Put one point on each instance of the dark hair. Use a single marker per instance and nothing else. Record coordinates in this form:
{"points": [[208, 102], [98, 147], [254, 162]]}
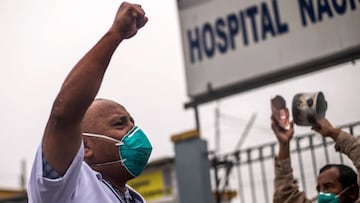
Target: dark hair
{"points": [[347, 177]]}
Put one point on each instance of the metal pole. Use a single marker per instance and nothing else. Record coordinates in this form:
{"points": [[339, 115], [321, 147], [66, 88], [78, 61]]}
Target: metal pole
{"points": [[238, 169], [263, 174], [217, 180], [325, 150], [313, 158], [217, 129], [251, 173], [301, 164], [197, 119]]}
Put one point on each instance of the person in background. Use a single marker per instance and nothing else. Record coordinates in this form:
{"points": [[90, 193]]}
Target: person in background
{"points": [[91, 147], [336, 183]]}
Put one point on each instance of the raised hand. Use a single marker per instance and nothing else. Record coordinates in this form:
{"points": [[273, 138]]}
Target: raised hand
{"points": [[283, 135], [128, 20], [325, 128]]}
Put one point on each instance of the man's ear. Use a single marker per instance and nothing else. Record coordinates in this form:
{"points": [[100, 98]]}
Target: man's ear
{"points": [[88, 151], [354, 193], [351, 194]]}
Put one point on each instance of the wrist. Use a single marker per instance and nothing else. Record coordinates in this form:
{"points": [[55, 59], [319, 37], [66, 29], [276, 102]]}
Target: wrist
{"points": [[335, 133], [115, 35], [284, 145], [284, 151]]}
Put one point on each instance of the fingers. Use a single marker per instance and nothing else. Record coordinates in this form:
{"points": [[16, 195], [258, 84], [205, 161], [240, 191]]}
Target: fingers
{"points": [[139, 15], [321, 123], [291, 124], [274, 125], [277, 129], [316, 128], [140, 22], [128, 20]]}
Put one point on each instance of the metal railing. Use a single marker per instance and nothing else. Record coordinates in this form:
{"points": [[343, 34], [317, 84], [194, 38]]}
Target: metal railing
{"points": [[250, 172]]}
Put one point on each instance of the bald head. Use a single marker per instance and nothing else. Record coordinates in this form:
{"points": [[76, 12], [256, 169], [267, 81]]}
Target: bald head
{"points": [[101, 114]]}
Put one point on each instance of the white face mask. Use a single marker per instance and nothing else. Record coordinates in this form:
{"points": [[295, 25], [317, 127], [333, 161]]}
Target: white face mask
{"points": [[134, 150]]}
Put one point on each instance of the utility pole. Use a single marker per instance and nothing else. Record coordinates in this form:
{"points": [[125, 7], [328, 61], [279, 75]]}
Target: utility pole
{"points": [[217, 129], [246, 131], [23, 174]]}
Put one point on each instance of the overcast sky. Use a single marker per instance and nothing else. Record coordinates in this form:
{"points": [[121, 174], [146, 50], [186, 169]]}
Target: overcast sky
{"points": [[42, 40]]}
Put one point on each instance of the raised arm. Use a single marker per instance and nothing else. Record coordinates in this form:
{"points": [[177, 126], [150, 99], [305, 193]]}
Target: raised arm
{"points": [[325, 128], [62, 136], [285, 189], [345, 143], [283, 136]]}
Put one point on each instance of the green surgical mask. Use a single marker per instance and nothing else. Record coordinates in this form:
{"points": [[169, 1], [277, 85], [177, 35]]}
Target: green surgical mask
{"points": [[134, 150], [324, 197]]}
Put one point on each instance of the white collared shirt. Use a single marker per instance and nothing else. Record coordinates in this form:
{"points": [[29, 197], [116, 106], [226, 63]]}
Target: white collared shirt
{"points": [[80, 184]]}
